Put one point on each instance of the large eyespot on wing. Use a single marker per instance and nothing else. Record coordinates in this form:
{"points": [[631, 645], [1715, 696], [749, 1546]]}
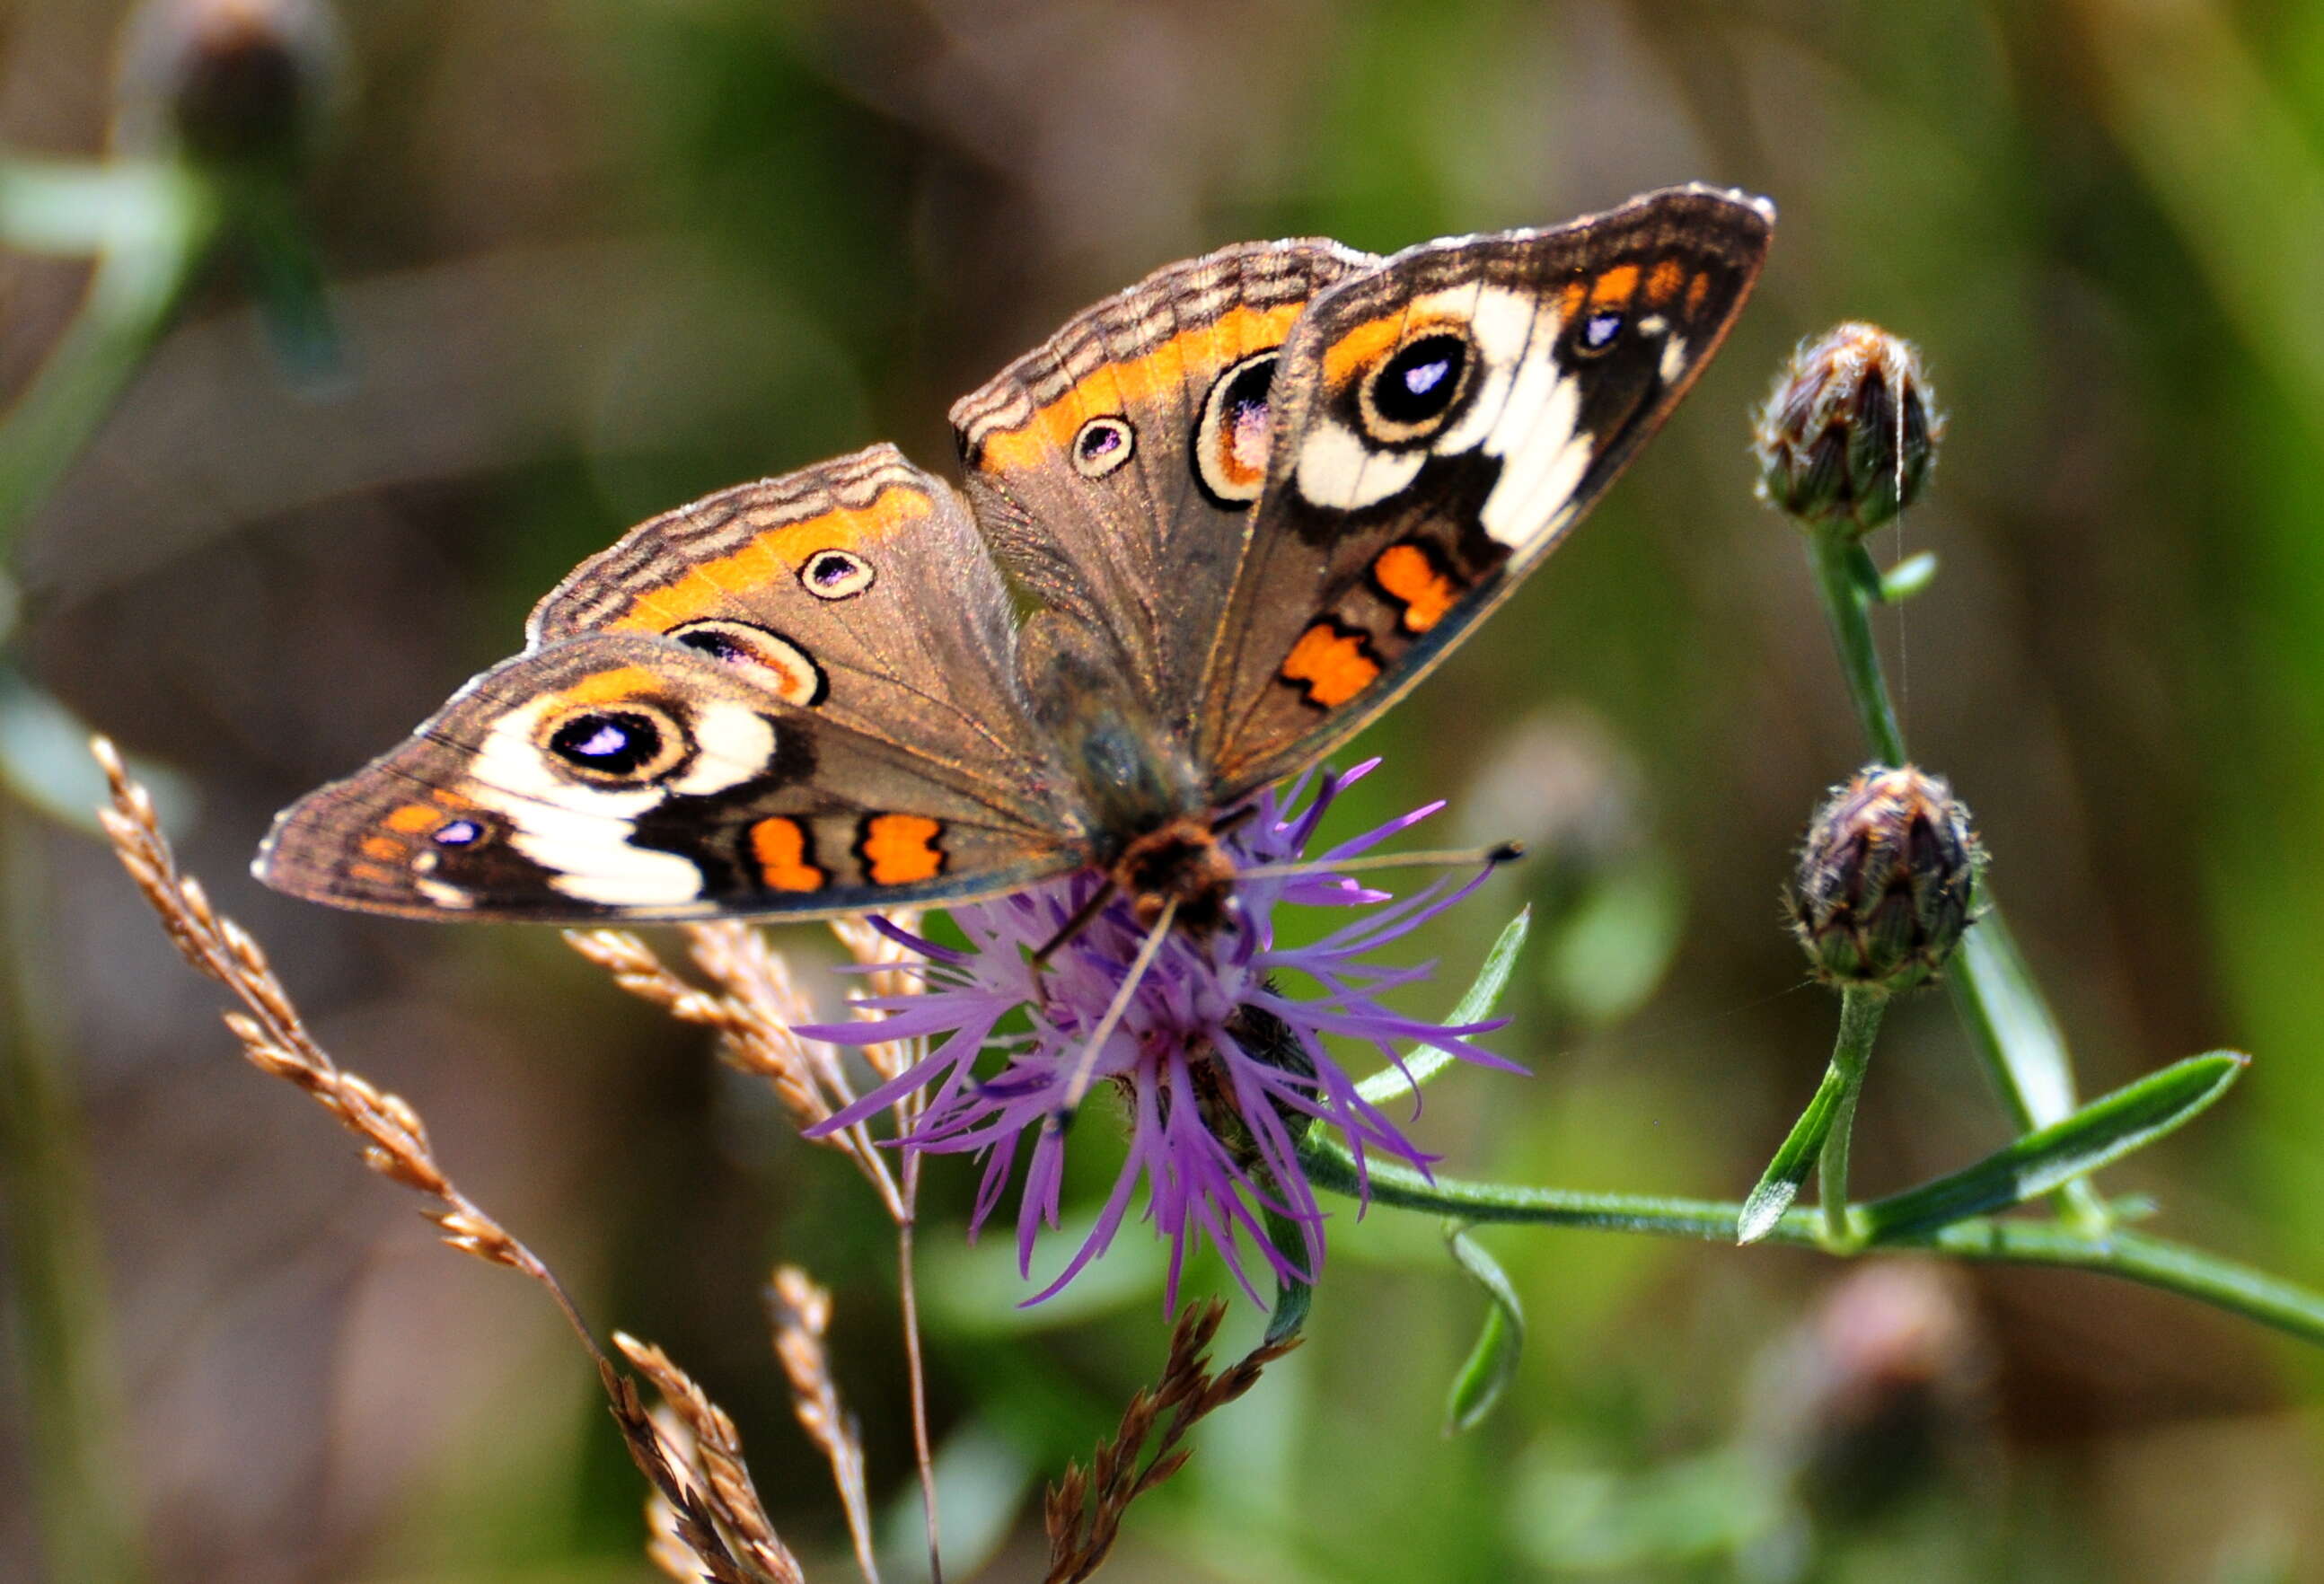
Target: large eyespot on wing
{"points": [[1441, 421], [630, 744], [1408, 396], [1229, 455], [621, 776]]}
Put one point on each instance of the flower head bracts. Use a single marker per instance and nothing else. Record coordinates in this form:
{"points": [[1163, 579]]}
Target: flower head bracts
{"points": [[1221, 1070]]}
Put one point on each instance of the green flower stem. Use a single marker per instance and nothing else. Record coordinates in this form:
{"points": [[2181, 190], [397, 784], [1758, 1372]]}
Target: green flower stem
{"points": [[150, 233], [1994, 993], [2131, 1256], [1852, 1053], [1839, 561]]}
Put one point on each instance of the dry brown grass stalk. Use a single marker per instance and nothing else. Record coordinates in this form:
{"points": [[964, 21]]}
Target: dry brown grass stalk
{"points": [[711, 1525], [275, 1037], [1084, 1508], [754, 1007], [699, 1441], [800, 1312], [706, 1519], [686, 1541]]}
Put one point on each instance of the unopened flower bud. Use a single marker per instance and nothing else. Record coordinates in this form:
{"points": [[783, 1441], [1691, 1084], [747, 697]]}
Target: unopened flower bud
{"points": [[245, 83], [1887, 880], [1850, 430]]}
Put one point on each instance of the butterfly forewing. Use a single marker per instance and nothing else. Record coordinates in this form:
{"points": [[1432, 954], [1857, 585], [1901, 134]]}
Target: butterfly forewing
{"points": [[1440, 423]]}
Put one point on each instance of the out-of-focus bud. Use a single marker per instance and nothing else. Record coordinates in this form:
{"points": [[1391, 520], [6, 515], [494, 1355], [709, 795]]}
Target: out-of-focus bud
{"points": [[1562, 783], [1887, 880], [1850, 431], [243, 83], [1880, 1397]]}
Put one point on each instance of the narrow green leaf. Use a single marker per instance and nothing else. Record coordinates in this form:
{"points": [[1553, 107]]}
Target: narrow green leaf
{"points": [[138, 275], [1779, 1184], [1493, 1363], [1478, 1004], [1293, 1297], [2003, 1009], [1909, 576], [2103, 1131], [74, 208]]}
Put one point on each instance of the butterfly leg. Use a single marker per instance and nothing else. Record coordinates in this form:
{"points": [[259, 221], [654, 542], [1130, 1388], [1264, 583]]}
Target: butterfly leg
{"points": [[1085, 1069], [1240, 816], [1074, 925]]}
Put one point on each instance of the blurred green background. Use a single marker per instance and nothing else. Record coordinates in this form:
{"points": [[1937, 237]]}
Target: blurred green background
{"points": [[592, 259]]}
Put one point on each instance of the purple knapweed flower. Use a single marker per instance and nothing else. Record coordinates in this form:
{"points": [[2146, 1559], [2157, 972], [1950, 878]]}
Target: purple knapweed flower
{"points": [[1221, 1070]]}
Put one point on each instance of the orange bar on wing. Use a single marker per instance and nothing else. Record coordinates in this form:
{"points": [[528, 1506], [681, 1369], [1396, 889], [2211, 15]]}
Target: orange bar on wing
{"points": [[1406, 575], [900, 849], [779, 847], [1330, 664]]}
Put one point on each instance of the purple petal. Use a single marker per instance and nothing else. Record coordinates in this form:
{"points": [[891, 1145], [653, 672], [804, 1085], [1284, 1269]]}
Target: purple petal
{"points": [[911, 941]]}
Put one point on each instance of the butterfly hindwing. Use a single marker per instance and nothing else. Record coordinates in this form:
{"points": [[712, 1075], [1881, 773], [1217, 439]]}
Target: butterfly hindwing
{"points": [[1114, 466], [626, 776], [1441, 421]]}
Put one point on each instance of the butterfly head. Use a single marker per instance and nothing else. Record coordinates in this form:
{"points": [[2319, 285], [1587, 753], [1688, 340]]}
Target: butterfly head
{"points": [[1184, 862]]}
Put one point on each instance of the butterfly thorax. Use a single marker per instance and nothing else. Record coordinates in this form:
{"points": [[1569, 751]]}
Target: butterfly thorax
{"points": [[1152, 832], [1152, 828]]}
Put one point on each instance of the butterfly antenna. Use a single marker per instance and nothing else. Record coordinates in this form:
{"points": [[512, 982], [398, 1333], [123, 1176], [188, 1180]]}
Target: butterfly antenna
{"points": [[1498, 853], [1085, 1069]]}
